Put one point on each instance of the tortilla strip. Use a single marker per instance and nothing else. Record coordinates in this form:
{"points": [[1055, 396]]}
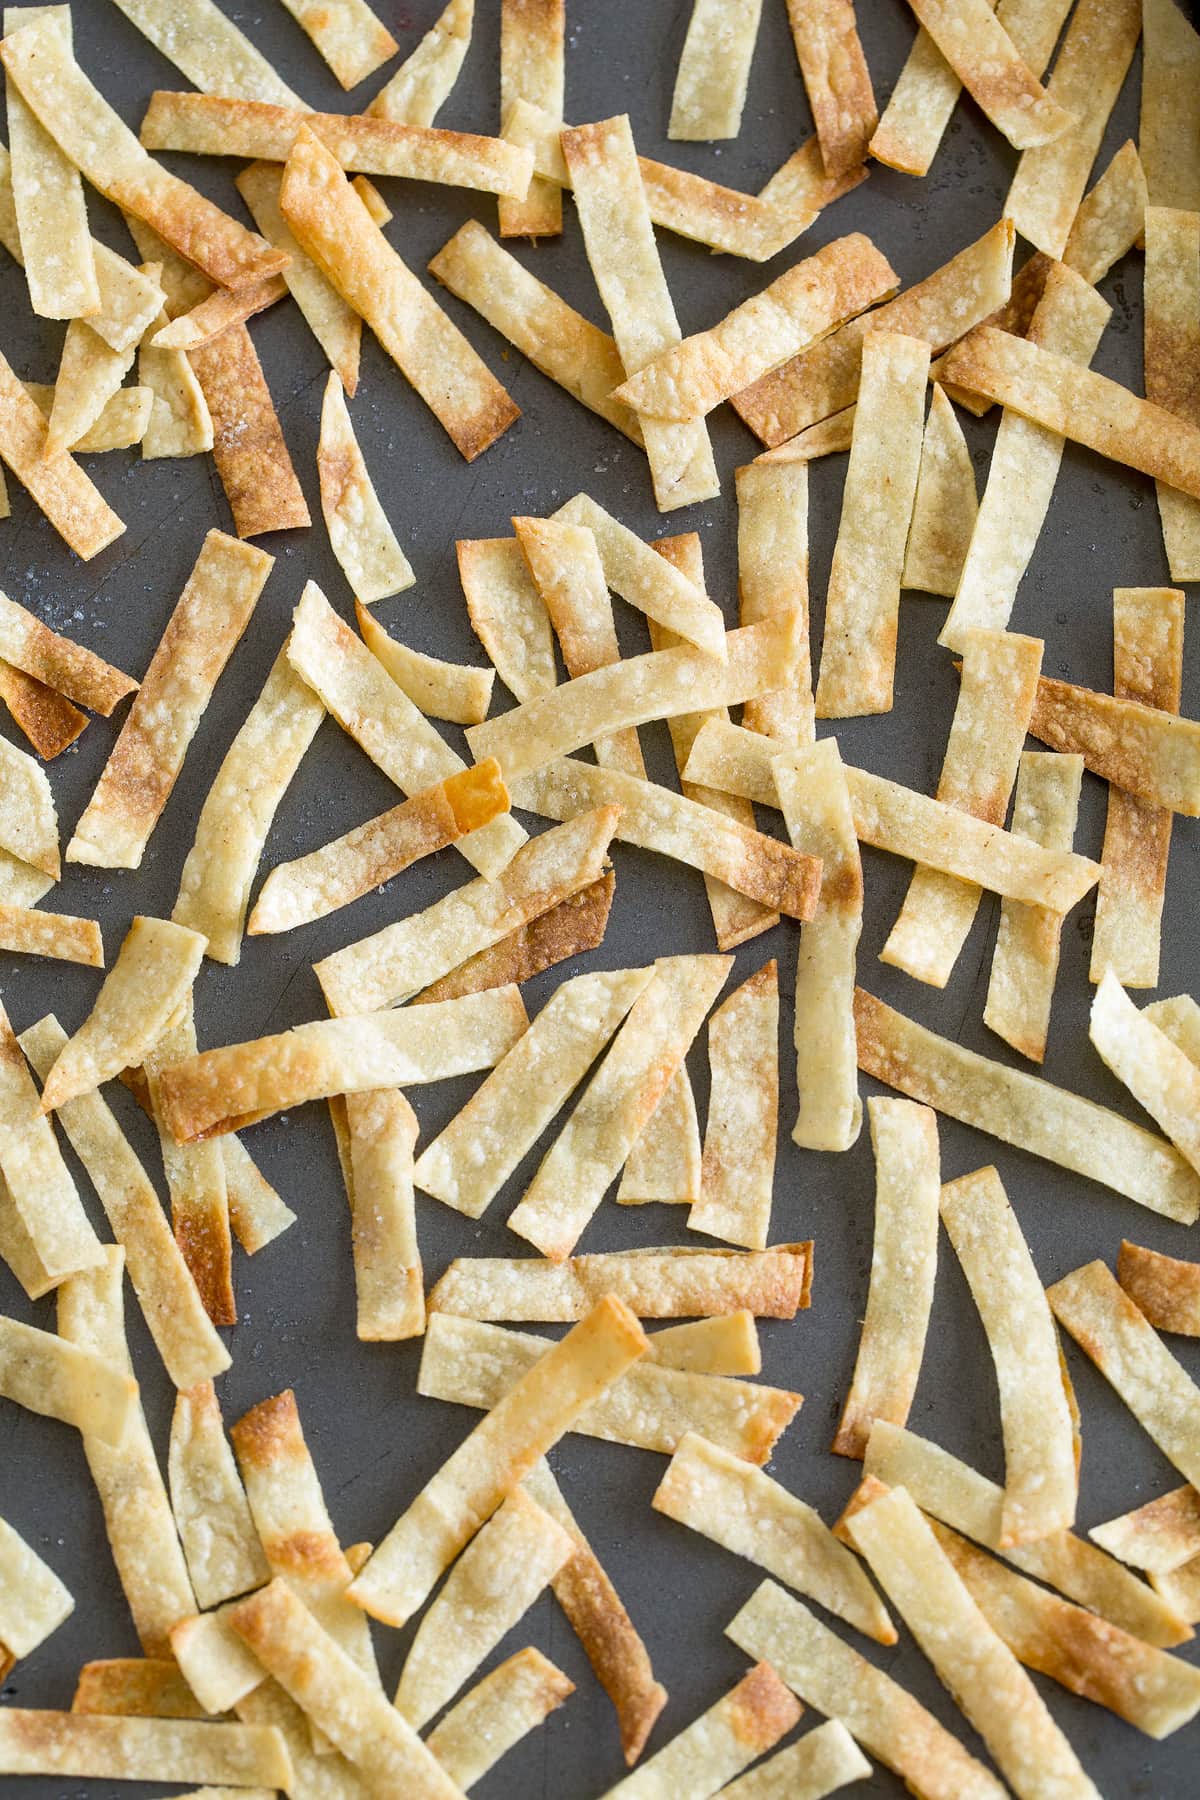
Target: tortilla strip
{"points": [[746, 1512], [49, 934], [986, 1680], [214, 888], [1025, 959], [1148, 752], [135, 1687], [221, 1090], [60, 1380], [120, 424], [836, 80], [33, 1601], [207, 47], [1161, 1077], [532, 69], [882, 1715], [773, 577], [748, 1720], [805, 303], [18, 1252], [51, 212], [215, 1663], [336, 327], [317, 1767], [824, 1760], [1171, 286], [256, 1212], [76, 509], [824, 379], [423, 83], [991, 716], [1179, 1019], [354, 686], [655, 1284], [470, 1161], [1167, 141], [507, 613], [653, 583], [664, 1164], [738, 1173], [714, 70], [619, 239], [359, 534], [987, 62], [1110, 220], [216, 313], [494, 1715], [858, 654], [441, 690], [828, 437], [347, 35], [726, 1344], [474, 1364], [180, 423], [566, 347], [248, 444], [381, 1131], [127, 1749], [1181, 1589], [577, 924], [1164, 1289], [224, 1556], [945, 506], [341, 871], [89, 375], [50, 723], [1164, 1534]]}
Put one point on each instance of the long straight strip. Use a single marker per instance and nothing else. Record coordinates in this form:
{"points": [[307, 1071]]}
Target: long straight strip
{"points": [[1147, 751], [388, 1281], [1168, 139], [334, 324], [39, 1184], [76, 509], [532, 68], [424, 81], [1025, 1111], [224, 1556], [737, 1177], [48, 194], [196, 1181], [772, 551], [714, 71], [660, 586], [1171, 289], [205, 45], [655, 1284], [249, 448], [156, 1750]]}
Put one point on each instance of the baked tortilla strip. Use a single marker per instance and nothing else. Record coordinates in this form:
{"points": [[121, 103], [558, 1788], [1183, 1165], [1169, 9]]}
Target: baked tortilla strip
{"points": [[55, 935], [424, 81], [256, 1212], [497, 1455], [28, 823], [655, 584], [747, 1721], [726, 1344], [805, 303], [1110, 219], [507, 613], [360, 536], [618, 1103], [983, 752], [835, 1679], [1025, 1111], [62, 1380], [858, 654], [532, 68], [510, 1701], [138, 1687], [945, 506], [214, 1662], [1129, 1353], [50, 723], [126, 1749], [51, 212], [1167, 140], [664, 1163], [347, 35], [248, 444], [470, 1161], [220, 310], [772, 548], [738, 1173], [825, 1759], [1025, 959], [209, 618], [987, 62], [746, 1512], [577, 924], [654, 1284], [1171, 287], [174, 1312], [941, 309], [17, 1249], [89, 375], [651, 1407], [214, 888], [714, 70], [1181, 1589], [76, 509], [121, 423], [1165, 1290], [1147, 751], [903, 1266], [381, 1130], [1163, 1535], [180, 423], [393, 964], [336, 326], [836, 80], [442, 690], [355, 687], [1161, 1077], [33, 1601], [207, 47], [224, 1556], [619, 239]]}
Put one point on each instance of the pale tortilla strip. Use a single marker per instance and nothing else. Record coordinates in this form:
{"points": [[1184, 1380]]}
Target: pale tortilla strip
{"points": [[347, 35], [508, 1703], [747, 1721], [1147, 751], [738, 1173], [50, 723], [655, 1284], [576, 925], [983, 752], [74, 1745], [566, 347], [120, 424], [248, 444], [256, 1212], [523, 1424], [651, 1407], [507, 614], [824, 379], [903, 1266], [334, 324], [138, 1687], [1181, 1589], [983, 1675], [1161, 1077], [1164, 1289], [151, 978], [828, 437], [38, 1182], [224, 1556], [89, 374], [222, 1090], [970, 1503], [619, 239], [655, 584], [470, 1161], [1171, 289], [1167, 137], [214, 888], [858, 654], [532, 69], [360, 536], [825, 1759], [1110, 219], [174, 1312], [805, 303], [205, 45], [217, 313], [882, 1715], [1179, 1019], [836, 80], [945, 506], [442, 690], [1025, 959], [180, 423], [338, 233], [316, 1765], [76, 509], [990, 67], [714, 70], [216, 1665], [51, 212], [1040, 1482], [726, 1344], [56, 935], [664, 1164], [423, 83], [17, 1249], [746, 1512], [33, 1601], [355, 687], [61, 1380], [1163, 1535], [381, 1132], [772, 549], [195, 1180], [571, 1180]]}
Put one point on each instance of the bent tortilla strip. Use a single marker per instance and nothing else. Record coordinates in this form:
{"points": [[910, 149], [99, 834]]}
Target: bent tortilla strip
{"points": [[1164, 1534], [38, 1184], [76, 509], [532, 69], [655, 1284], [69, 668], [336, 327], [655, 584], [377, 1173], [507, 614], [575, 925], [735, 1731], [945, 506], [347, 34], [359, 534], [903, 1267], [51, 212], [987, 62], [217, 313], [33, 1601], [714, 71], [1159, 1075], [207, 47], [442, 690], [224, 1556], [748, 1513], [1164, 1289], [56, 935], [836, 80], [126, 1749], [61, 1380], [1169, 147], [195, 1180], [738, 1171], [664, 1163], [423, 82], [493, 1716]]}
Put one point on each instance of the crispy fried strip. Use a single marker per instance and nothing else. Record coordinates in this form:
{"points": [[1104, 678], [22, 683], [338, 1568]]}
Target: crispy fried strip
{"points": [[441, 690], [748, 1720], [1111, 219], [248, 444], [656, 585], [180, 423], [256, 1212], [773, 577], [664, 1163], [205, 45], [990, 67], [824, 1760], [50, 723], [507, 614], [217, 313], [1161, 1077], [726, 1344], [51, 212], [423, 82], [347, 35], [50, 934], [334, 324], [655, 1284], [195, 1179], [576, 925], [1149, 752], [836, 80], [70, 668], [1167, 139], [89, 375], [1163, 1535], [382, 1132], [364, 543], [121, 423], [532, 69], [224, 1556], [828, 437], [33, 1601], [738, 1172], [76, 509], [137, 1687], [127, 1749], [61, 1380], [945, 506], [714, 69], [1171, 288], [1164, 1289], [38, 1182], [495, 1714]]}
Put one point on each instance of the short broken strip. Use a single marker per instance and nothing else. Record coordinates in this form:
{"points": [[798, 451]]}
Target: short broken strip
{"points": [[360, 536], [714, 71], [512, 1700], [348, 35], [458, 692], [747, 1721], [507, 614], [836, 80]]}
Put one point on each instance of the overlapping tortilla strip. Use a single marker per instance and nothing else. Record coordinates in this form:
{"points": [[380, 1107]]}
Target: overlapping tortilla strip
{"points": [[50, 723], [1163, 1534], [224, 1556], [17, 1249], [215, 1663], [828, 437], [74, 1745], [521, 1426], [945, 506], [205, 45], [136, 1687], [1148, 751], [882, 1715], [1165, 1290], [76, 509], [381, 1130], [656, 585], [1025, 959], [836, 80], [1171, 288], [507, 613], [726, 1344], [714, 70], [89, 375], [218, 312], [55, 935], [747, 1721], [746, 1512], [1179, 1019], [364, 543], [423, 82], [858, 653], [61, 1380], [347, 34], [335, 325], [393, 964], [532, 68], [664, 1164], [494, 1715], [1169, 147], [69, 668], [577, 924], [824, 1760], [51, 212], [990, 67], [120, 424], [773, 578], [442, 690], [824, 379], [1161, 1077], [473, 1157], [619, 239], [1181, 1589], [33, 1601], [180, 423], [738, 1172], [655, 1284]]}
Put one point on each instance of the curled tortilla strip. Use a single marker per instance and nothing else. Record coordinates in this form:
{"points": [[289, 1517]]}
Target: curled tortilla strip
{"points": [[224, 1556], [510, 1701], [423, 82], [507, 614], [532, 68], [664, 1163], [50, 723], [205, 45], [836, 80], [1161, 1077], [442, 690], [248, 444], [738, 1173], [70, 668], [577, 924], [1165, 1290], [714, 71], [990, 67], [127, 1749], [655, 584], [1166, 141], [1111, 218], [654, 1284], [56, 935], [748, 1720], [824, 1760], [51, 212], [746, 1512], [361, 538], [882, 1715], [1163, 1535], [1171, 290], [33, 1601], [773, 578], [381, 1129], [49, 1375], [347, 35], [38, 1183], [945, 506], [137, 1687], [76, 509], [334, 324]]}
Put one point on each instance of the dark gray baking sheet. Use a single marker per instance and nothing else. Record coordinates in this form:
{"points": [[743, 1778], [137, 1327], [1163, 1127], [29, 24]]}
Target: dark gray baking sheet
{"points": [[374, 1442]]}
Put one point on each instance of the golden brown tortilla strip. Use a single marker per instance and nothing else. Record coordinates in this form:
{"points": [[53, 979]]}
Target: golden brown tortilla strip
{"points": [[224, 1556], [773, 577], [76, 509], [507, 613], [987, 62], [655, 1284], [1110, 219], [1164, 1289], [1147, 751], [248, 444], [221, 310], [33, 1601], [55, 935], [532, 68], [714, 70], [576, 925], [442, 690], [74, 1745], [336, 327], [347, 34], [51, 213], [1161, 1077], [70, 668], [836, 80], [664, 1163], [495, 1714], [1167, 140], [360, 536], [138, 1687], [1171, 290], [945, 505], [737, 1178], [205, 45], [50, 723], [747, 1721], [824, 1759], [423, 82], [381, 1130], [1163, 1535]]}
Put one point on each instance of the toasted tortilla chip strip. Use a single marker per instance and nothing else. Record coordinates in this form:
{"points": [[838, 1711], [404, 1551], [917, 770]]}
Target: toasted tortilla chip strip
{"points": [[773, 578], [1025, 959], [76, 509], [316, 1765], [335, 325], [256, 1212], [619, 239], [1181, 1589], [738, 1174], [180, 423], [1148, 752], [726, 1344], [130, 299], [903, 1267], [577, 924], [1111, 219], [382, 1132], [215, 1663], [33, 1601], [521, 1426], [494, 1715], [51, 212], [137, 1514], [828, 437], [655, 584], [174, 1312], [1171, 287], [1163, 1535], [217, 313], [653, 1041], [423, 83], [532, 69], [1160, 1076], [17, 1249], [748, 1720], [72, 1744], [442, 690], [207, 47], [1040, 1480], [823, 1761], [745, 1511], [655, 1284], [858, 655], [145, 987], [507, 614], [945, 506], [990, 67], [836, 80], [347, 35], [983, 1675], [882, 1715], [39, 1184], [195, 1179], [50, 723], [224, 1556], [1164, 1289], [651, 1407], [89, 374], [135, 1687], [1179, 1019], [121, 423], [48, 1375], [50, 934], [714, 71], [664, 1163], [1167, 138], [983, 752], [248, 444], [364, 543]]}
